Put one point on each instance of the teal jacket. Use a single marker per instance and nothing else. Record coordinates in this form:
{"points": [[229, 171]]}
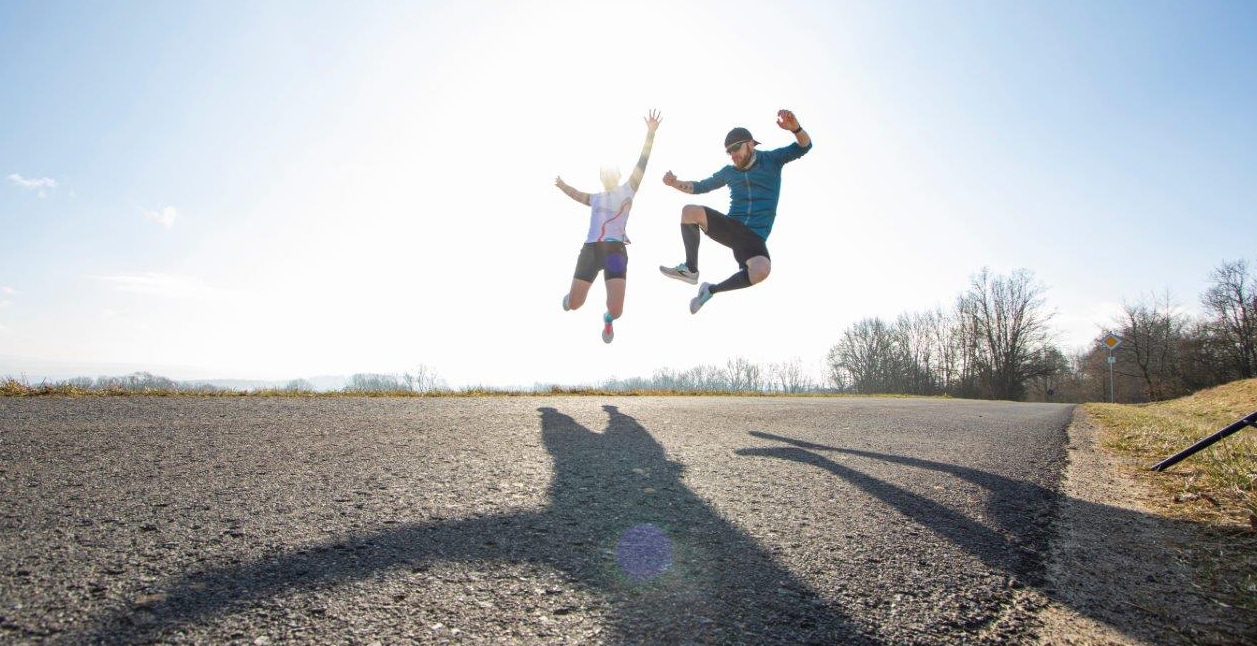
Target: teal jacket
{"points": [[754, 192]]}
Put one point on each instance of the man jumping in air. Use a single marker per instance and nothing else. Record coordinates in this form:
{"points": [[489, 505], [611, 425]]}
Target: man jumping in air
{"points": [[754, 181], [604, 250]]}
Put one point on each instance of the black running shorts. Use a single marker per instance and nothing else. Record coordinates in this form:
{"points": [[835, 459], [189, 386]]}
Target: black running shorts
{"points": [[746, 244], [611, 257]]}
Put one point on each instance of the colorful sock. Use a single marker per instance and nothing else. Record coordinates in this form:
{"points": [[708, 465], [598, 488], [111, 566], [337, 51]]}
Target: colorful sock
{"points": [[607, 318], [690, 236], [740, 280]]}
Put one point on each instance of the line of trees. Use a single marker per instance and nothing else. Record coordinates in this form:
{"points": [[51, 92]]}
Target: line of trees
{"points": [[995, 342], [423, 379], [136, 382], [737, 375], [1167, 353]]}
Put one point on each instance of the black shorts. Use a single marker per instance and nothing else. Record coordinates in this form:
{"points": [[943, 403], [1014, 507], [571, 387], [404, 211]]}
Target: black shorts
{"points": [[744, 242], [611, 257]]}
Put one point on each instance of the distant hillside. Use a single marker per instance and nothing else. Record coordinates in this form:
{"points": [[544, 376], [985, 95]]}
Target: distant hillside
{"points": [[323, 383]]}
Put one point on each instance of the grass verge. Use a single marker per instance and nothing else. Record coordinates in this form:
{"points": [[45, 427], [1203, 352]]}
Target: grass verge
{"points": [[1215, 487]]}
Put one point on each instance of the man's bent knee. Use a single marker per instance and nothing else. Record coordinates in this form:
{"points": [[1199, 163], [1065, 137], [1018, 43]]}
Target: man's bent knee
{"points": [[758, 268], [694, 214]]}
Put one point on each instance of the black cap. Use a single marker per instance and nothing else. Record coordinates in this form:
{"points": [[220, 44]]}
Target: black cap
{"points": [[738, 134]]}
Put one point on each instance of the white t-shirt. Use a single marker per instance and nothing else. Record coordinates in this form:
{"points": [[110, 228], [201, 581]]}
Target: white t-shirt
{"points": [[609, 213]]}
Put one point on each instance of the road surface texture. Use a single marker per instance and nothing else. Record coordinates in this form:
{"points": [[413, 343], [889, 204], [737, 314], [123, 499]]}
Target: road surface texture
{"points": [[529, 520]]}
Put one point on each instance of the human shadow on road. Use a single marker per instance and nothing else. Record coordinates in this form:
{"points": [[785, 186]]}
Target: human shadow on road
{"points": [[1020, 541], [620, 524], [1021, 511]]}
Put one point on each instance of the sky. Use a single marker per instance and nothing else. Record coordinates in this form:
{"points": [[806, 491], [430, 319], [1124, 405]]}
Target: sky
{"points": [[280, 190]]}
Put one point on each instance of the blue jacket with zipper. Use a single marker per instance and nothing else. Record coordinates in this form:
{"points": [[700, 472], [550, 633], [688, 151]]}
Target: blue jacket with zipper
{"points": [[754, 191]]}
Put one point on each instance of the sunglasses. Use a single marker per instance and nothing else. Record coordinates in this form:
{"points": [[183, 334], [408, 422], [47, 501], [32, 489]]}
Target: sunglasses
{"points": [[735, 147]]}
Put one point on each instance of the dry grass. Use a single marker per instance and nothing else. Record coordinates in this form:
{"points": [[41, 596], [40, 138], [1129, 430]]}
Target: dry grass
{"points": [[1215, 487], [1220, 480]]}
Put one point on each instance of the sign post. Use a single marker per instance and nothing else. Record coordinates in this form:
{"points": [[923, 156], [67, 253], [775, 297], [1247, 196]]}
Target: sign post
{"points": [[1111, 341]]}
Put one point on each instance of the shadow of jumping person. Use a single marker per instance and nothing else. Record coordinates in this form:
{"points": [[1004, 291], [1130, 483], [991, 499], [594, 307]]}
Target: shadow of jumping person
{"points": [[1157, 607], [1021, 510], [619, 523]]}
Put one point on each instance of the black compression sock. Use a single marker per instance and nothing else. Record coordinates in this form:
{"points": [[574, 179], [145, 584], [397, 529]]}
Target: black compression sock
{"points": [[740, 280], [690, 236]]}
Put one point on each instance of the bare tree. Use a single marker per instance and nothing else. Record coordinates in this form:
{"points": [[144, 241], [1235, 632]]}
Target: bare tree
{"points": [[298, 386], [1204, 360], [744, 375], [370, 382], [1079, 379], [79, 383], [790, 377], [839, 377], [871, 354], [1053, 373], [915, 335], [967, 355], [703, 378], [1232, 304], [1008, 321], [136, 382], [950, 358], [707, 377], [664, 379], [423, 379], [1152, 333]]}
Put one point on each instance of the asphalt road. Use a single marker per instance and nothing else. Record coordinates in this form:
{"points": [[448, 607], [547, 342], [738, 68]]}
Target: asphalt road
{"points": [[525, 520]]}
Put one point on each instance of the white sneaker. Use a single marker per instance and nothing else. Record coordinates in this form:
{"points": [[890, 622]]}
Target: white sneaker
{"points": [[566, 307], [704, 295], [680, 272], [608, 332]]}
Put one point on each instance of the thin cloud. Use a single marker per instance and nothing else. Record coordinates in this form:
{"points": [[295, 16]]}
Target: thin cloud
{"points": [[42, 186], [165, 217], [8, 291], [159, 284]]}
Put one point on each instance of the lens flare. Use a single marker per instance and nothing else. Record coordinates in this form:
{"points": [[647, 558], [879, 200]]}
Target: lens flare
{"points": [[644, 552]]}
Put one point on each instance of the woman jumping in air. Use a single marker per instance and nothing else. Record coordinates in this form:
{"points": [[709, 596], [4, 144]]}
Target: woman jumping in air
{"points": [[604, 248]]}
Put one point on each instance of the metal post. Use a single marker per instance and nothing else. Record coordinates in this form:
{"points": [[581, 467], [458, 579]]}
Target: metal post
{"points": [[1112, 393], [1251, 420], [1111, 341]]}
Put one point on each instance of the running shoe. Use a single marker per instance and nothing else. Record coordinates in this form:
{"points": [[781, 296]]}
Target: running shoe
{"points": [[704, 295], [566, 307], [607, 332], [680, 272]]}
